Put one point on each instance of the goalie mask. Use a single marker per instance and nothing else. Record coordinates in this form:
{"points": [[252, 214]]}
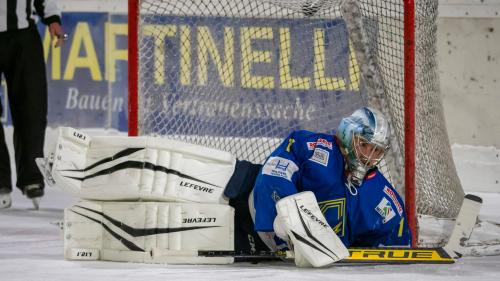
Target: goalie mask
{"points": [[364, 138]]}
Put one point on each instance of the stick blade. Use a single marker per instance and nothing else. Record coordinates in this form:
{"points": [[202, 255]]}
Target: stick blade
{"points": [[464, 225]]}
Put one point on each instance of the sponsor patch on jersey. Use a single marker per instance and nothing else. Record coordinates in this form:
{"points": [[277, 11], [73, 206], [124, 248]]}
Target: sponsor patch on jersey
{"points": [[280, 167], [384, 208], [311, 145], [324, 143], [394, 199], [320, 156]]}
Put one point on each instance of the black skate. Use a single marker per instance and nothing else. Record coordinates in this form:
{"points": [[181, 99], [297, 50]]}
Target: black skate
{"points": [[5, 199], [34, 192]]}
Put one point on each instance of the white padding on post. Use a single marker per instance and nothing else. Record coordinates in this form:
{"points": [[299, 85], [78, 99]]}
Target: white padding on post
{"points": [[151, 232], [131, 168], [315, 244]]}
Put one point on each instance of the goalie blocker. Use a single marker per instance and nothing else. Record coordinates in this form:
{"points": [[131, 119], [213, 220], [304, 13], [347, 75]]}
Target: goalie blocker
{"points": [[301, 222]]}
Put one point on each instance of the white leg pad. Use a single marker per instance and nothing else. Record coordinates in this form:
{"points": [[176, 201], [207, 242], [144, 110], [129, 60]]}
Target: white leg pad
{"points": [[131, 168], [300, 221], [150, 232]]}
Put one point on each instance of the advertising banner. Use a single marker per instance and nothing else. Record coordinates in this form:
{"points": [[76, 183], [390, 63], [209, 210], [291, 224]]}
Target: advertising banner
{"points": [[281, 71]]}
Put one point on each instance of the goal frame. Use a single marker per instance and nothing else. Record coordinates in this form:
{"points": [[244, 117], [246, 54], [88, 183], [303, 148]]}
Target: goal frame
{"points": [[409, 99]]}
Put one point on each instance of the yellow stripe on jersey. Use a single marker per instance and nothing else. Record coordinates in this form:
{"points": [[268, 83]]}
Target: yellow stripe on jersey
{"points": [[333, 203], [401, 225], [290, 143], [338, 204]]}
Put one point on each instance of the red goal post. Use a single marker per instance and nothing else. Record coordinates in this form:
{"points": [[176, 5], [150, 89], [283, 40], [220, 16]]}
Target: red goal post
{"points": [[384, 56], [409, 117]]}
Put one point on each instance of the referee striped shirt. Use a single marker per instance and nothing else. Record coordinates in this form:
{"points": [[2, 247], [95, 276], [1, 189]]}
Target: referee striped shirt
{"points": [[19, 14]]}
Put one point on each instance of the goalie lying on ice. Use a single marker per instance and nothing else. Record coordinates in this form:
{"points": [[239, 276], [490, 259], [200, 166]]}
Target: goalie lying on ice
{"points": [[156, 200], [356, 200]]}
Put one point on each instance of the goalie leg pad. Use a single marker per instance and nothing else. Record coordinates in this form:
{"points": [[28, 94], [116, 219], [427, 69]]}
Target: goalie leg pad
{"points": [[300, 221], [131, 168], [150, 232]]}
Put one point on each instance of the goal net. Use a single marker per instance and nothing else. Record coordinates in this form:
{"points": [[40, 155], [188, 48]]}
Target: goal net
{"points": [[240, 75]]}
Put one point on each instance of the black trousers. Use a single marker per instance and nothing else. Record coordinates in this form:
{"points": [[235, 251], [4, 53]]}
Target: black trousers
{"points": [[238, 189], [23, 66]]}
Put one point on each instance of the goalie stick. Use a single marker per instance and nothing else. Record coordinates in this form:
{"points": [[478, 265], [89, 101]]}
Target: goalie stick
{"points": [[357, 256]]}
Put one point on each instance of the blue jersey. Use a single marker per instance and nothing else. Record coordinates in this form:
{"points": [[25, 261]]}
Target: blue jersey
{"points": [[369, 215]]}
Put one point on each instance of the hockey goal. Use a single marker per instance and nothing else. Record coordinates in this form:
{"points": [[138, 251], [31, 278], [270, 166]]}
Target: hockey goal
{"points": [[239, 75]]}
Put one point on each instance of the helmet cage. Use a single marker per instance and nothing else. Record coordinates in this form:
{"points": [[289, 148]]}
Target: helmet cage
{"points": [[368, 154]]}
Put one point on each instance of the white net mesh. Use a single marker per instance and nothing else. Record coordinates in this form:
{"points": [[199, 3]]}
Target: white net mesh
{"points": [[239, 75]]}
